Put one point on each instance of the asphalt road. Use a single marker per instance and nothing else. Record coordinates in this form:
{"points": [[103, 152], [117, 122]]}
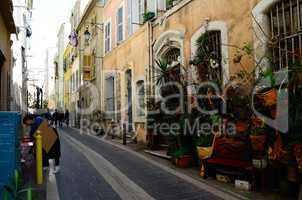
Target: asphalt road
{"points": [[92, 169]]}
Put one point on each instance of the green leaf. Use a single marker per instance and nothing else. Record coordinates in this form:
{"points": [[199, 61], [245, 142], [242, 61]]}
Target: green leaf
{"points": [[10, 190]]}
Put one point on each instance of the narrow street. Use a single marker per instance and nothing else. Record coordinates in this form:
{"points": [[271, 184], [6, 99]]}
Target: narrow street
{"points": [[94, 169]]}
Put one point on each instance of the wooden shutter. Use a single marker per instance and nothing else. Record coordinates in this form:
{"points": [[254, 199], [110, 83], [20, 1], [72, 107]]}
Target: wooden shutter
{"points": [[87, 68]]}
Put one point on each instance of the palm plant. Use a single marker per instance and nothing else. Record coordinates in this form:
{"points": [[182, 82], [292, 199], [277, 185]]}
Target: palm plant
{"points": [[14, 190]]}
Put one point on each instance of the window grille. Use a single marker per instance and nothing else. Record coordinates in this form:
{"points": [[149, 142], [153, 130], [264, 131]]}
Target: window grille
{"points": [[286, 33], [172, 55]]}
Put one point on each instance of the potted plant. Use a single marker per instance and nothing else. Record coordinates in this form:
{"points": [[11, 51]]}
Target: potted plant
{"points": [[204, 146], [182, 157], [258, 137], [148, 16]]}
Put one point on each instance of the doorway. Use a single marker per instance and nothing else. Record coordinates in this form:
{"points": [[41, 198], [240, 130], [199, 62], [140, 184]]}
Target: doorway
{"points": [[129, 100]]}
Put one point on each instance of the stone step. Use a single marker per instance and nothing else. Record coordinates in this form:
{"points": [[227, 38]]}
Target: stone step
{"points": [[158, 153]]}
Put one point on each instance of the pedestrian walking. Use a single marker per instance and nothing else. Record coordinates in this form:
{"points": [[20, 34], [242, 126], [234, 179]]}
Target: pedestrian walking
{"points": [[61, 119], [55, 117], [54, 153], [67, 117]]}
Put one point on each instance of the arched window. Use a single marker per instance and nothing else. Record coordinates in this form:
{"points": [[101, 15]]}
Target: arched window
{"points": [[208, 57], [140, 90], [286, 33], [172, 55]]}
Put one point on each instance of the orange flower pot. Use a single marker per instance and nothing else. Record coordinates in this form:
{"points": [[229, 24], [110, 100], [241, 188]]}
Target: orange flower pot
{"points": [[269, 98], [258, 142]]}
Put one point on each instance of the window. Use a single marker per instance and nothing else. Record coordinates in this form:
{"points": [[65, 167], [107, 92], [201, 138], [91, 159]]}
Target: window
{"points": [[286, 33], [107, 37], [110, 98], [130, 26], [172, 55], [140, 88], [87, 59], [120, 25], [209, 48], [93, 70], [214, 47], [141, 10]]}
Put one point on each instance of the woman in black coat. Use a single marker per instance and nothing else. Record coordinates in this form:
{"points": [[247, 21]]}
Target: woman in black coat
{"points": [[54, 153]]}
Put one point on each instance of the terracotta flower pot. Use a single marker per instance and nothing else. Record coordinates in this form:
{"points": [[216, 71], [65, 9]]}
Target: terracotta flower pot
{"points": [[258, 142], [184, 161], [241, 126], [269, 98]]}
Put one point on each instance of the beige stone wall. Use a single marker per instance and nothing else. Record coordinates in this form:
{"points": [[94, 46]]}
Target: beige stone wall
{"points": [[131, 54], [185, 19], [192, 15], [6, 68]]}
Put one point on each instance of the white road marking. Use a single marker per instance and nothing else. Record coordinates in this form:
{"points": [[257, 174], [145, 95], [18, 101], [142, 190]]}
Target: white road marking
{"points": [[229, 195], [120, 183], [52, 188]]}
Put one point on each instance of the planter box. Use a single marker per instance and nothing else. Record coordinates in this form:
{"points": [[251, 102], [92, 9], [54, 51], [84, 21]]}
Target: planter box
{"points": [[184, 162]]}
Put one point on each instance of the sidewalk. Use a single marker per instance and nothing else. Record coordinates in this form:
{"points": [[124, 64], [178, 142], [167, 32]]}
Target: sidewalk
{"points": [[29, 177], [194, 173]]}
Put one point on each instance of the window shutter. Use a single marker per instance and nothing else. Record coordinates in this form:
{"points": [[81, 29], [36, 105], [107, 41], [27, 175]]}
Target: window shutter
{"points": [[87, 68]]}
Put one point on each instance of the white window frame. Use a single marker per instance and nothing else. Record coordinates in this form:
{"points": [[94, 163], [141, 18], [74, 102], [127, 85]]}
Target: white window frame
{"points": [[122, 24], [130, 17], [108, 22], [141, 10], [214, 26]]}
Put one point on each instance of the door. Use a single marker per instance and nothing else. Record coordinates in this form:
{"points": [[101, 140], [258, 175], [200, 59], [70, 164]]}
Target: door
{"points": [[129, 95]]}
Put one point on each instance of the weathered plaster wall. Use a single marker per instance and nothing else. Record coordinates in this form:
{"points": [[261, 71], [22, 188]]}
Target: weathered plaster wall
{"points": [[131, 54], [236, 14]]}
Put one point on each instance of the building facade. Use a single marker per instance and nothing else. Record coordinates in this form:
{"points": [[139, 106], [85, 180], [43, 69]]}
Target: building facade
{"points": [[59, 66], [120, 42], [7, 27]]}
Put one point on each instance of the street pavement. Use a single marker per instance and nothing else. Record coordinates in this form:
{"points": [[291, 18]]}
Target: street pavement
{"points": [[93, 169]]}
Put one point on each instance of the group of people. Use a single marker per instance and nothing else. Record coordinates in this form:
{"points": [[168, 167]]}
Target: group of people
{"points": [[57, 118]]}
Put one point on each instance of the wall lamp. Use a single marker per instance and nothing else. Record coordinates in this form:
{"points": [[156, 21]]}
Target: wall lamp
{"points": [[87, 34]]}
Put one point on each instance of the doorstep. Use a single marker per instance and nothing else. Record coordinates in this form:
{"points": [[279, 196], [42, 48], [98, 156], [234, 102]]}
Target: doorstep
{"points": [[158, 153]]}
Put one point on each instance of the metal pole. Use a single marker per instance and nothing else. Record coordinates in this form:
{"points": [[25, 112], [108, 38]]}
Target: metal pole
{"points": [[39, 159], [124, 134]]}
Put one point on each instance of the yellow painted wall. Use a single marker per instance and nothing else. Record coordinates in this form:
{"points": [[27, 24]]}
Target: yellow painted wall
{"points": [[67, 77], [131, 54], [187, 17]]}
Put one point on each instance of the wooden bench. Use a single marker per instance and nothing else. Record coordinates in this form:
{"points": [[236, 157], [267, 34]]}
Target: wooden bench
{"points": [[231, 157]]}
